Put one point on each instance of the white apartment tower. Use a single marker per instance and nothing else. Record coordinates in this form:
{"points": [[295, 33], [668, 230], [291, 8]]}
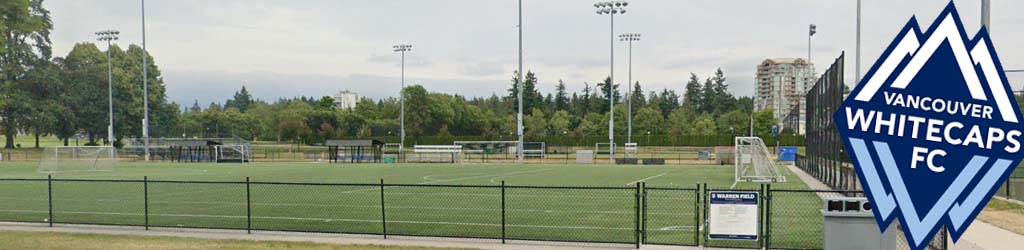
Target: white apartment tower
{"points": [[782, 84], [346, 99]]}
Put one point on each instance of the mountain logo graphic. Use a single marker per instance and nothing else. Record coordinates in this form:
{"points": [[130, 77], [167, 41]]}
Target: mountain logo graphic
{"points": [[933, 129]]}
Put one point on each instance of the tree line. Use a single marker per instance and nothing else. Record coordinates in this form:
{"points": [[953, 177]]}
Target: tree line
{"points": [[705, 108], [66, 97]]}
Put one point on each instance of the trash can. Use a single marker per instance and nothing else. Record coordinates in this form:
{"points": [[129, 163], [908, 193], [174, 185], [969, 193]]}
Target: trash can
{"points": [[848, 223], [787, 153]]}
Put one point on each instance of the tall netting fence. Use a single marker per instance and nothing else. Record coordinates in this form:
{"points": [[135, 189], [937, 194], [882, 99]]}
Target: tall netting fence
{"points": [[824, 157]]}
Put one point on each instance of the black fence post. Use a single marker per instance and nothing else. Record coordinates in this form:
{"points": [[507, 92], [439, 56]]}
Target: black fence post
{"points": [[248, 207], [636, 215], [49, 195], [145, 199], [763, 211], [704, 210], [383, 215], [643, 218], [502, 212], [696, 214], [768, 218]]}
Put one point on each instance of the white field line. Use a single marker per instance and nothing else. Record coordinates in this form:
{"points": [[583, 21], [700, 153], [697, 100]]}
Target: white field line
{"points": [[677, 228], [332, 220], [646, 179]]}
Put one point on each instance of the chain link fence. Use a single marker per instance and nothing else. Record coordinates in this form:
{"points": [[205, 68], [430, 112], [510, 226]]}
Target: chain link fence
{"points": [[635, 215], [792, 226], [1013, 188]]}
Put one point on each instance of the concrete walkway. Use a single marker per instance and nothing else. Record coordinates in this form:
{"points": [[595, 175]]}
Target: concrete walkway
{"points": [[979, 236], [344, 239]]}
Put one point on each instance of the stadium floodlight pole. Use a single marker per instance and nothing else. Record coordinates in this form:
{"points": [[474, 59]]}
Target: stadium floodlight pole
{"points": [[520, 156], [630, 37], [402, 48], [109, 36], [145, 87], [857, 67], [986, 15], [813, 29], [611, 8]]}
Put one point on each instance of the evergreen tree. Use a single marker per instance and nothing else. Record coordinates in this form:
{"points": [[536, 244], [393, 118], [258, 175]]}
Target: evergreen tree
{"points": [[561, 98], [531, 98], [707, 100], [242, 100], [692, 97], [639, 101], [608, 90], [669, 101]]}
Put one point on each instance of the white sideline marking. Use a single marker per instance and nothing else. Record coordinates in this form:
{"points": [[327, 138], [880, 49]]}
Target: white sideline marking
{"points": [[336, 219], [734, 183], [646, 179], [676, 228]]}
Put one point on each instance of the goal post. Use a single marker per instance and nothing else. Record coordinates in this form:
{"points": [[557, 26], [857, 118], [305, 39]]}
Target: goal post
{"points": [[237, 153], [754, 163], [62, 159], [604, 148], [535, 149]]}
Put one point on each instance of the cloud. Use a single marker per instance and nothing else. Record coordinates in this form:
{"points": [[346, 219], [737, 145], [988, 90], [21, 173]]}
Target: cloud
{"points": [[283, 48]]}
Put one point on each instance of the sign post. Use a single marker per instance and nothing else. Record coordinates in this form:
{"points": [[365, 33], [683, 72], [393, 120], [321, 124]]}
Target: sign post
{"points": [[733, 215]]}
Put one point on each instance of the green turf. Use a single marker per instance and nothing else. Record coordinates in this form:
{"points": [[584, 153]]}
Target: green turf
{"points": [[604, 214]]}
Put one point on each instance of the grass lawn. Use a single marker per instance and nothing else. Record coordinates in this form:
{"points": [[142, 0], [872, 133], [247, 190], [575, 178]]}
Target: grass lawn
{"points": [[60, 241], [603, 212], [1004, 214]]}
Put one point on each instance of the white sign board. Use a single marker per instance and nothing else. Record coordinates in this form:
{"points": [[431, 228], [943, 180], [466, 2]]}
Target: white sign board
{"points": [[733, 215]]}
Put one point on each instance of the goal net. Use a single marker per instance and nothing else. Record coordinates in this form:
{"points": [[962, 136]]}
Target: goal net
{"points": [[604, 149], [753, 162], [237, 153], [64, 159], [534, 149]]}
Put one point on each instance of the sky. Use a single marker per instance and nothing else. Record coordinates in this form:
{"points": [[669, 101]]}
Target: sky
{"points": [[207, 50]]}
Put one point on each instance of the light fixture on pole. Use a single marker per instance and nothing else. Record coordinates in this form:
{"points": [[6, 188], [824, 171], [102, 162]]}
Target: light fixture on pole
{"points": [[109, 36], [630, 38], [402, 48], [813, 29], [145, 86], [611, 8]]}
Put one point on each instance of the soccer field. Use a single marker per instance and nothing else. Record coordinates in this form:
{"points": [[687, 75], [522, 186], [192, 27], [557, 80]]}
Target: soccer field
{"points": [[589, 203]]}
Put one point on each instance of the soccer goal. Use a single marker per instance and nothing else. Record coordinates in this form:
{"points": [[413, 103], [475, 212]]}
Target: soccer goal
{"points": [[753, 163], [238, 153], [534, 149], [63, 159], [604, 149]]}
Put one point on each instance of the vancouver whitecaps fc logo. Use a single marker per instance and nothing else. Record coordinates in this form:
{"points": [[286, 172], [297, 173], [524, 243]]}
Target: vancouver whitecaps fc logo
{"points": [[933, 129]]}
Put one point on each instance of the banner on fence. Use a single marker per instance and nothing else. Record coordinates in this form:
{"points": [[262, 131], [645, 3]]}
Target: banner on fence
{"points": [[733, 215], [932, 128]]}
